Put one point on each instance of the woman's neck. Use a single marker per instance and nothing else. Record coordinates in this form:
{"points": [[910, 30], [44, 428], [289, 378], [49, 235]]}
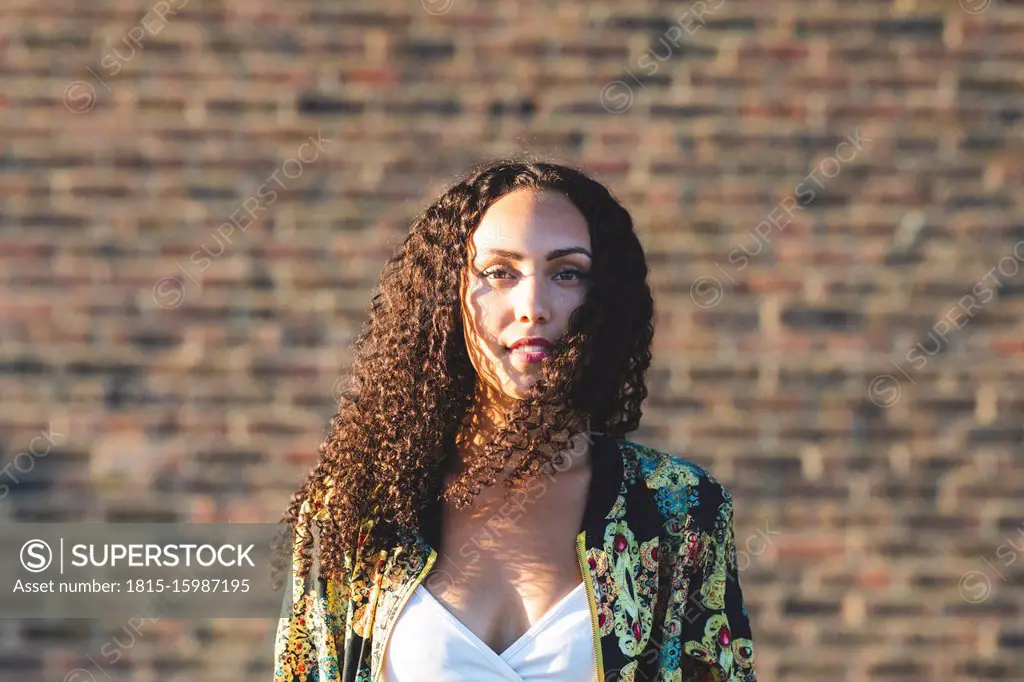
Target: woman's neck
{"points": [[487, 417]]}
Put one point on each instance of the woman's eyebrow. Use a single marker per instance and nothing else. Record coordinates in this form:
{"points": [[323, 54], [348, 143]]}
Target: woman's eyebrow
{"points": [[552, 255]]}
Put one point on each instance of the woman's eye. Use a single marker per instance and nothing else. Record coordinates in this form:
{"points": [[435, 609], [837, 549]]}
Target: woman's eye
{"points": [[577, 274], [492, 273]]}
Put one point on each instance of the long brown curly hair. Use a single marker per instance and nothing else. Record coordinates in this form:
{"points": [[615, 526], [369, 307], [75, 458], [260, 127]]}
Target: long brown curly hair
{"points": [[412, 383]]}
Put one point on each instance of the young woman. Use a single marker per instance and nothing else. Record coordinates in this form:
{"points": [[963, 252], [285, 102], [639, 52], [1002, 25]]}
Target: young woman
{"points": [[508, 343]]}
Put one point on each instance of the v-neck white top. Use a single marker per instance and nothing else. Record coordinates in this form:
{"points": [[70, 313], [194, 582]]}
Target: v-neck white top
{"points": [[428, 644]]}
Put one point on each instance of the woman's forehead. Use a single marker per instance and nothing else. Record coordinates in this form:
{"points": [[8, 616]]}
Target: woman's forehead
{"points": [[530, 222]]}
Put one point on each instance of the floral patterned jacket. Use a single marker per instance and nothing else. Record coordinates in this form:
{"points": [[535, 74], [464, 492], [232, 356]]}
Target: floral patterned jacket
{"points": [[658, 559]]}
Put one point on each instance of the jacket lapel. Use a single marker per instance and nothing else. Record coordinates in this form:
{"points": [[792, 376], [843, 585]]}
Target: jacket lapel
{"points": [[395, 581]]}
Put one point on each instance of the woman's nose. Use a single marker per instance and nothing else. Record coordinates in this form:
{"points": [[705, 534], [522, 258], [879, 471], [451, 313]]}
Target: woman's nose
{"points": [[531, 303]]}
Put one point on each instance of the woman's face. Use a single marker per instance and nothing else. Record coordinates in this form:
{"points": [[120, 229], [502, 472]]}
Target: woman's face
{"points": [[529, 260]]}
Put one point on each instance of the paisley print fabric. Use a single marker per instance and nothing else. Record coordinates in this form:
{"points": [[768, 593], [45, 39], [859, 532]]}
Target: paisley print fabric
{"points": [[658, 544], [629, 585]]}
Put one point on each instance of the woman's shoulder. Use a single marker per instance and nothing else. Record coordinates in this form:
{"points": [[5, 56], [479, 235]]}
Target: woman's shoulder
{"points": [[679, 485], [313, 505], [314, 508]]}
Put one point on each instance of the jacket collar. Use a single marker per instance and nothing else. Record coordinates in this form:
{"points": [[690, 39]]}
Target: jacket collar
{"points": [[606, 481]]}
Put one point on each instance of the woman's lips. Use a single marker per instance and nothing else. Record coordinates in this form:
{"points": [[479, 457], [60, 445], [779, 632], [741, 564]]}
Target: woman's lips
{"points": [[531, 353]]}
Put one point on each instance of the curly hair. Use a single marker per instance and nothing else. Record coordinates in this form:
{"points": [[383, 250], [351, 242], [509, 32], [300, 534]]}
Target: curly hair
{"points": [[412, 383]]}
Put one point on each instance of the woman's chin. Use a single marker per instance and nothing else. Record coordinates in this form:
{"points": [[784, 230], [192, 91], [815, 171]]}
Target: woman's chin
{"points": [[516, 386], [524, 383]]}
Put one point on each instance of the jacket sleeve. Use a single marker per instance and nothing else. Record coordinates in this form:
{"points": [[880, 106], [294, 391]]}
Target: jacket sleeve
{"points": [[308, 633], [716, 642]]}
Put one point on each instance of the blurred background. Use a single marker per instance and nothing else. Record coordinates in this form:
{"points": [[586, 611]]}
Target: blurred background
{"points": [[197, 196]]}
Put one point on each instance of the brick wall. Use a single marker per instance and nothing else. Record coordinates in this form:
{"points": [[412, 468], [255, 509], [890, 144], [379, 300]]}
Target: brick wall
{"points": [[830, 195]]}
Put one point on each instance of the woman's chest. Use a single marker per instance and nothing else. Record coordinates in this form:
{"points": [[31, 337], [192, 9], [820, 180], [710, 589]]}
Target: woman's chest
{"points": [[503, 565]]}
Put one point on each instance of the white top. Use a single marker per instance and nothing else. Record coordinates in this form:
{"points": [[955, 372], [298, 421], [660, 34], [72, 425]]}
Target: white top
{"points": [[429, 644]]}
